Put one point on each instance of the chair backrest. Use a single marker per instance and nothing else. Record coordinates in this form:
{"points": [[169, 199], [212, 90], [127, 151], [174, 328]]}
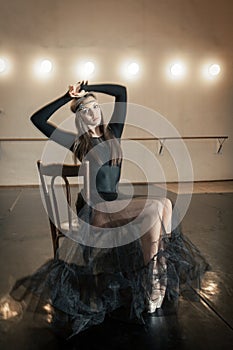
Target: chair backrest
{"points": [[58, 195]]}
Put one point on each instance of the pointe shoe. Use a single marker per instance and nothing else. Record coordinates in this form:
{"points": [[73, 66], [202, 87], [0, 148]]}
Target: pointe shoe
{"points": [[153, 305]]}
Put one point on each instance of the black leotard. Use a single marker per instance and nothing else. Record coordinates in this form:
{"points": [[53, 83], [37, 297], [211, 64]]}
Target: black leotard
{"points": [[108, 176]]}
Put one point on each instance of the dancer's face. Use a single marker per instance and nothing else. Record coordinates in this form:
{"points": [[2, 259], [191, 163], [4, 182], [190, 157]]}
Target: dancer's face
{"points": [[90, 112]]}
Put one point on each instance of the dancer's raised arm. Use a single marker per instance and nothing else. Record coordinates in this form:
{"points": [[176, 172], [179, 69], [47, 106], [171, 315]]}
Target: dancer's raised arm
{"points": [[41, 120]]}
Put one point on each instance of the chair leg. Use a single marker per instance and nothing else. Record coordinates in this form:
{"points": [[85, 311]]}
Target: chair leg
{"points": [[55, 246]]}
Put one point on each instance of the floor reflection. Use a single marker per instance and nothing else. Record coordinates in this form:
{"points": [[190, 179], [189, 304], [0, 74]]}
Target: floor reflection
{"points": [[9, 308], [210, 286]]}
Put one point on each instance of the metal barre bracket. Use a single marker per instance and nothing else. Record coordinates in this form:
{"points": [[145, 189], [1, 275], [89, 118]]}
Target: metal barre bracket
{"points": [[220, 144]]}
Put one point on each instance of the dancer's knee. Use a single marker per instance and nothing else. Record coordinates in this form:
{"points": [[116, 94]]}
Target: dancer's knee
{"points": [[167, 206]]}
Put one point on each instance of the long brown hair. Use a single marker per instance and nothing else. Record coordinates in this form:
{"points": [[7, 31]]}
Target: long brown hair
{"points": [[83, 144]]}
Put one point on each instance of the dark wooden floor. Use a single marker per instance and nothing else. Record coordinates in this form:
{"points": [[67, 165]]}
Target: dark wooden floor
{"points": [[206, 323]]}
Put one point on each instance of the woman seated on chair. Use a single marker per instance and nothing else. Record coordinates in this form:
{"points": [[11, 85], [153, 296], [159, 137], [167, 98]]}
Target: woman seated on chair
{"points": [[137, 272], [105, 167]]}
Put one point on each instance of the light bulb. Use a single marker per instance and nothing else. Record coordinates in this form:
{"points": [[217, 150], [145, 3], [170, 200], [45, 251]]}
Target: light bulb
{"points": [[46, 66], [177, 70], [3, 65], [133, 68], [89, 68], [214, 69]]}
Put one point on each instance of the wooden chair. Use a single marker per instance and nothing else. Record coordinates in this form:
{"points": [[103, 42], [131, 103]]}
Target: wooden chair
{"points": [[49, 175]]}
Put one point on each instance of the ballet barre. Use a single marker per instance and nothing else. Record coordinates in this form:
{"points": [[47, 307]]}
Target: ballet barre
{"points": [[161, 140]]}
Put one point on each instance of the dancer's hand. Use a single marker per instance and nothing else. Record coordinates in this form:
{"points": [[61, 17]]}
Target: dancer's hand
{"points": [[75, 90]]}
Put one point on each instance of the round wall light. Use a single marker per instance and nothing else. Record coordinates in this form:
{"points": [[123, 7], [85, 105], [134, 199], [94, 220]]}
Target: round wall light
{"points": [[3, 65], [210, 71], [89, 68], [214, 70], [177, 70], [45, 66], [133, 68]]}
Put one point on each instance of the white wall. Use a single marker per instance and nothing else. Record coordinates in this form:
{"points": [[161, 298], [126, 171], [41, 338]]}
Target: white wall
{"points": [[154, 32]]}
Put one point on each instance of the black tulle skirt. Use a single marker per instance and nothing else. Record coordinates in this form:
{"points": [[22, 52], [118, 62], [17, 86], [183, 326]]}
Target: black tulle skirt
{"points": [[82, 284]]}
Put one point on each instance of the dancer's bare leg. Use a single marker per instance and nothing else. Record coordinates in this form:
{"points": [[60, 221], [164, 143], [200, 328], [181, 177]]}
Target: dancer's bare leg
{"points": [[152, 226], [153, 215], [155, 221], [167, 215], [151, 242]]}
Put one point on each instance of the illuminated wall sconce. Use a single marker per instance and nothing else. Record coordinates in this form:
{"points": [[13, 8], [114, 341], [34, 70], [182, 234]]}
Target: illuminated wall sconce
{"points": [[133, 68], [210, 71], [130, 69], [214, 70], [3, 65], [89, 68], [177, 70], [43, 68], [85, 69]]}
